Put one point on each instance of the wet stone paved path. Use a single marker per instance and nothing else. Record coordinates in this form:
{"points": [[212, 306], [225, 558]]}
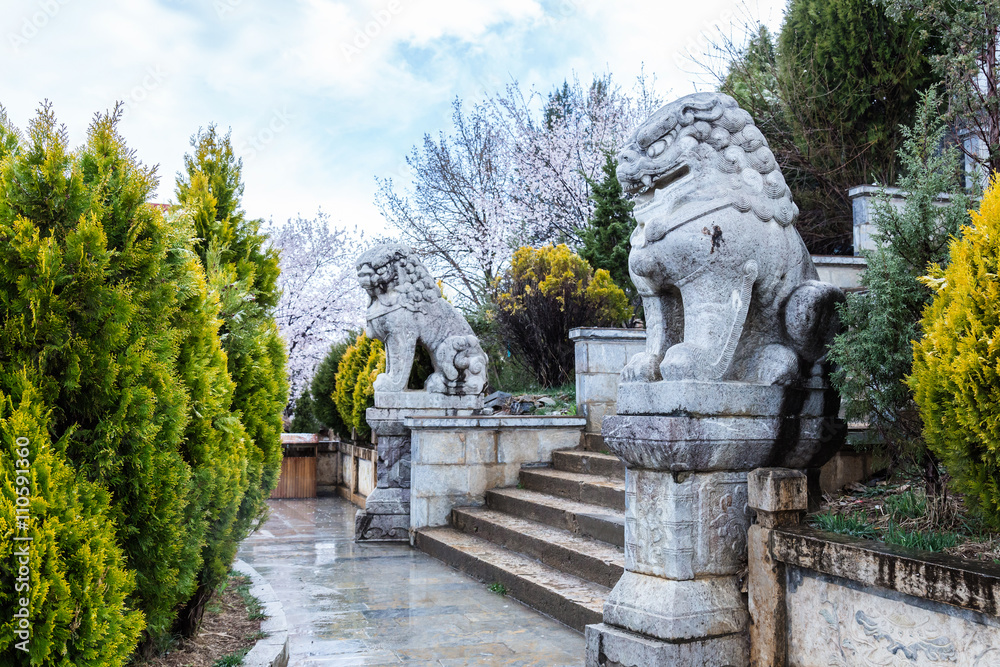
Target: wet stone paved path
{"points": [[372, 604]]}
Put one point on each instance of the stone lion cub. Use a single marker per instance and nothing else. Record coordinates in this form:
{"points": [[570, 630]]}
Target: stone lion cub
{"points": [[406, 308]]}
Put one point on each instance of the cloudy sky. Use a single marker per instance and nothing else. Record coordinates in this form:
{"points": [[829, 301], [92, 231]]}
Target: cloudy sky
{"points": [[324, 95]]}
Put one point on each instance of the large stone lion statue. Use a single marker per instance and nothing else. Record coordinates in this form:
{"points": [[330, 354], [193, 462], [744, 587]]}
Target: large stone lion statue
{"points": [[406, 308], [728, 288]]}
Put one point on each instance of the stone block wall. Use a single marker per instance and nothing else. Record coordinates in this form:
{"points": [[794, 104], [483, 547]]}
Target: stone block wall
{"points": [[863, 198], [345, 469], [456, 460], [601, 354], [819, 599]]}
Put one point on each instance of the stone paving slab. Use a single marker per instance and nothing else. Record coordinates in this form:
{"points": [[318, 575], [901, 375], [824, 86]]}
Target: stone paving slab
{"points": [[388, 604]]}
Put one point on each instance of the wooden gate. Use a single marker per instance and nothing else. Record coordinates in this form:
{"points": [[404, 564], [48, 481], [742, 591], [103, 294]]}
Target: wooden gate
{"points": [[298, 466]]}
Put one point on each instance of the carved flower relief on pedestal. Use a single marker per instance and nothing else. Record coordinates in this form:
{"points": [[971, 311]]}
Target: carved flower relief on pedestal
{"points": [[732, 522]]}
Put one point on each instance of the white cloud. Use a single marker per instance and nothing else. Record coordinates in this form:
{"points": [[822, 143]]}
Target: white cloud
{"points": [[343, 116]]}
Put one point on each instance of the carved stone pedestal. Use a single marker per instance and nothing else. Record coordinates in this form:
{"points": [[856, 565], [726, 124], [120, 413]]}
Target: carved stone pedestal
{"points": [[386, 517], [679, 601], [682, 599]]}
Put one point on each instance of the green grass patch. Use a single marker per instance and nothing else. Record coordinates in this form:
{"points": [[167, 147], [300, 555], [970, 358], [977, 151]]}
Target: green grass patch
{"points": [[255, 611], [906, 505], [498, 588], [917, 539], [856, 524], [231, 660], [859, 524]]}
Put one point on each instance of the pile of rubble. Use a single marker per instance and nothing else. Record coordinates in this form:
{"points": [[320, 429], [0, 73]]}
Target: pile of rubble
{"points": [[500, 402]]}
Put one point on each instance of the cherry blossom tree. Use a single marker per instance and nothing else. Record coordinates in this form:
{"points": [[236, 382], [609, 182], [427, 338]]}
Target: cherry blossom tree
{"points": [[513, 172], [320, 296], [555, 156], [455, 215]]}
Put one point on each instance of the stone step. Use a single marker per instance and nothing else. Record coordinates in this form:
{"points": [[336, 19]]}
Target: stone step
{"points": [[564, 597], [588, 463], [577, 486], [579, 518], [582, 557]]}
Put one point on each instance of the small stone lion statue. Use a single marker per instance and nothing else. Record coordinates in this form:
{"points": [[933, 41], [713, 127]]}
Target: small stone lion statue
{"points": [[406, 308], [729, 290]]}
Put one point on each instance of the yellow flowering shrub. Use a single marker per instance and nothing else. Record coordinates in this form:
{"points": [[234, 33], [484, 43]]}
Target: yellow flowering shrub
{"points": [[546, 292], [956, 365]]}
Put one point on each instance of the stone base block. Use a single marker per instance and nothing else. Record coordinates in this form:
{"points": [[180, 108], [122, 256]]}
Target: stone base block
{"points": [[421, 400], [695, 398], [609, 646], [388, 501], [677, 610], [381, 527]]}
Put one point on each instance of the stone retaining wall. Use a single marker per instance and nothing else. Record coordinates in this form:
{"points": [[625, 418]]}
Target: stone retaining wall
{"points": [[819, 599], [456, 460], [345, 469], [601, 354]]}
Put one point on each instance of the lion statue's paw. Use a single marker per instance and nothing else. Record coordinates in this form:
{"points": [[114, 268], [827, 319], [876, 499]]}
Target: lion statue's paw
{"points": [[643, 367], [435, 384], [682, 361], [384, 383]]}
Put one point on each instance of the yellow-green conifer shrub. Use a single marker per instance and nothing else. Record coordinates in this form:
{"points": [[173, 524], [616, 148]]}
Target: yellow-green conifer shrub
{"points": [[364, 390], [242, 270], [87, 306], [354, 394], [956, 365], [347, 377], [76, 585]]}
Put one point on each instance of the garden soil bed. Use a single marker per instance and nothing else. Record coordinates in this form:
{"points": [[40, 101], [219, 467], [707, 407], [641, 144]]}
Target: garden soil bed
{"points": [[900, 506], [230, 628]]}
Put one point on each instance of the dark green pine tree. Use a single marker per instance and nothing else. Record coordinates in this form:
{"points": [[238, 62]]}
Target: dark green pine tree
{"points": [[606, 239], [324, 383], [303, 420], [848, 77], [243, 272]]}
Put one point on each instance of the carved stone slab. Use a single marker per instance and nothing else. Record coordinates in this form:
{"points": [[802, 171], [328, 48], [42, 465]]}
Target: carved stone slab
{"points": [[835, 623], [678, 443]]}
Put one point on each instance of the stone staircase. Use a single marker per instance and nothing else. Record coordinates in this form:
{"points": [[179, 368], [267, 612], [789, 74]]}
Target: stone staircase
{"points": [[555, 542]]}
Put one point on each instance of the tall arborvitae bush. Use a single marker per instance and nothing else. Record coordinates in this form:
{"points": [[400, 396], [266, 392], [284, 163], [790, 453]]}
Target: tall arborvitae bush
{"points": [[215, 442], [874, 353], [78, 585], [88, 306], [354, 394], [606, 238], [546, 292], [956, 365], [243, 272]]}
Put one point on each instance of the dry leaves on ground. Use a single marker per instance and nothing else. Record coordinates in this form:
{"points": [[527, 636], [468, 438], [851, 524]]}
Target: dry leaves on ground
{"points": [[225, 629]]}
